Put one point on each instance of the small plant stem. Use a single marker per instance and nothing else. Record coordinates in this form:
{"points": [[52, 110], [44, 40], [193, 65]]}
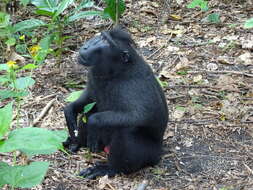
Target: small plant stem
{"points": [[117, 13]]}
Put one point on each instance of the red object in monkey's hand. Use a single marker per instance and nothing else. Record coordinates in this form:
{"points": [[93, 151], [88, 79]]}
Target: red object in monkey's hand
{"points": [[107, 149]]}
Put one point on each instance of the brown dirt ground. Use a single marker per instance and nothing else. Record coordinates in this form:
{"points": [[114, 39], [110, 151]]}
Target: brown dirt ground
{"points": [[209, 70]]}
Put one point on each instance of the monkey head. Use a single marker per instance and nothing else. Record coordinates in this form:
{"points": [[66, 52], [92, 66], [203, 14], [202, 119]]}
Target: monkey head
{"points": [[102, 49]]}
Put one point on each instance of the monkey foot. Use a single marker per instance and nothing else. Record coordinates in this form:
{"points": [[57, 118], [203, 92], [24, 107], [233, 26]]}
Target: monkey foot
{"points": [[97, 171]]}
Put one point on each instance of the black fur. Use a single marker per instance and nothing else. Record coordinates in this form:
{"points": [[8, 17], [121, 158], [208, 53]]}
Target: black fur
{"points": [[131, 113]]}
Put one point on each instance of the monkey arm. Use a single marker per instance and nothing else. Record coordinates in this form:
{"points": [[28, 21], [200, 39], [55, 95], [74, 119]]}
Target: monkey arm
{"points": [[71, 111]]}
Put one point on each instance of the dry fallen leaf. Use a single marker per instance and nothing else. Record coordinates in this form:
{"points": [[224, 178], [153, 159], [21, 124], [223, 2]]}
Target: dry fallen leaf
{"points": [[197, 78], [246, 58], [178, 114], [103, 181]]}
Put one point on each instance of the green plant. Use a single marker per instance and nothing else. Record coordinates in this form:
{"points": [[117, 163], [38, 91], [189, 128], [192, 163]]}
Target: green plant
{"points": [[114, 9], [198, 3], [38, 141], [203, 5], [248, 23]]}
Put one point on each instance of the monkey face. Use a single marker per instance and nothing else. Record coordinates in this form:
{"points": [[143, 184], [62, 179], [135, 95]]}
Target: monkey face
{"points": [[101, 49], [93, 51]]}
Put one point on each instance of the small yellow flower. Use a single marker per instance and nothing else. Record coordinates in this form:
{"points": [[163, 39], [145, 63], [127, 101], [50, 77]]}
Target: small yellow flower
{"points": [[22, 37], [11, 64], [34, 49]]}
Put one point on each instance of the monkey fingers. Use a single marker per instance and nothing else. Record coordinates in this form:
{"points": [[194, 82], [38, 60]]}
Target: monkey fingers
{"points": [[72, 147]]}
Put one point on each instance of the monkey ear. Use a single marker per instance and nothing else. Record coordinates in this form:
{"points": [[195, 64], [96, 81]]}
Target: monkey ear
{"points": [[126, 57]]}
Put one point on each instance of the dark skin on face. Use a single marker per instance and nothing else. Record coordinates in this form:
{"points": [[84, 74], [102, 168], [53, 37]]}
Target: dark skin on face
{"points": [[130, 115]]}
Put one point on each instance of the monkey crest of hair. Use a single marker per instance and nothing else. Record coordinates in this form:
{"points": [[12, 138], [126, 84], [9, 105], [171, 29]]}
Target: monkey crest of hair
{"points": [[130, 115]]}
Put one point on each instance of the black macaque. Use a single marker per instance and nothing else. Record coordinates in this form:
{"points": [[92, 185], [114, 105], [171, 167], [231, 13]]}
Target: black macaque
{"points": [[130, 115]]}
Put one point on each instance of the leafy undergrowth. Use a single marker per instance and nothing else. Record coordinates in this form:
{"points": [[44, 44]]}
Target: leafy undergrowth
{"points": [[207, 71]]}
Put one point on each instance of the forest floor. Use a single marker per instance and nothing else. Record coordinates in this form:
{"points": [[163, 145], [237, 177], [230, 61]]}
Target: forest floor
{"points": [[209, 73]]}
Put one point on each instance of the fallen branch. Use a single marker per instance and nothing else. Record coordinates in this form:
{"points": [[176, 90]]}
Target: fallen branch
{"points": [[44, 112]]}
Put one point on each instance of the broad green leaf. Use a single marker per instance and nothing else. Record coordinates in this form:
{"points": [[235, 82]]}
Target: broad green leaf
{"points": [[24, 82], [23, 176], [44, 12], [4, 94], [74, 96], [62, 6], [111, 8], [4, 19], [84, 14], [5, 119], [47, 7], [4, 67], [199, 3], [88, 107], [11, 41], [214, 18], [248, 23], [24, 2], [3, 80], [29, 67], [37, 141], [28, 24], [21, 48]]}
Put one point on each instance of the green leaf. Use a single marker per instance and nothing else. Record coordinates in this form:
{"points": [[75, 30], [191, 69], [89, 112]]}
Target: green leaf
{"points": [[4, 67], [46, 7], [28, 24], [248, 24], [62, 6], [88, 107], [11, 41], [5, 119], [214, 18], [181, 108], [3, 80], [111, 8], [23, 176], [84, 14], [4, 19], [44, 51], [24, 2], [84, 4], [74, 96], [163, 84], [24, 82], [4, 94], [37, 141], [29, 67], [199, 3]]}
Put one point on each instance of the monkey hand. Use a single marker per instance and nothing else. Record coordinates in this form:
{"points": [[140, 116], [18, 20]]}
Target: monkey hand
{"points": [[71, 145]]}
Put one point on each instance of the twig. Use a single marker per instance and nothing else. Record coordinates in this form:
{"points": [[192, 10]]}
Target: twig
{"points": [[143, 185], [43, 112], [155, 52], [248, 168], [191, 121], [222, 72], [191, 86]]}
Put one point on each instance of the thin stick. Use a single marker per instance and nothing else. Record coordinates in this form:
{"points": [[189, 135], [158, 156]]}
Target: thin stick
{"points": [[43, 112], [222, 72]]}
